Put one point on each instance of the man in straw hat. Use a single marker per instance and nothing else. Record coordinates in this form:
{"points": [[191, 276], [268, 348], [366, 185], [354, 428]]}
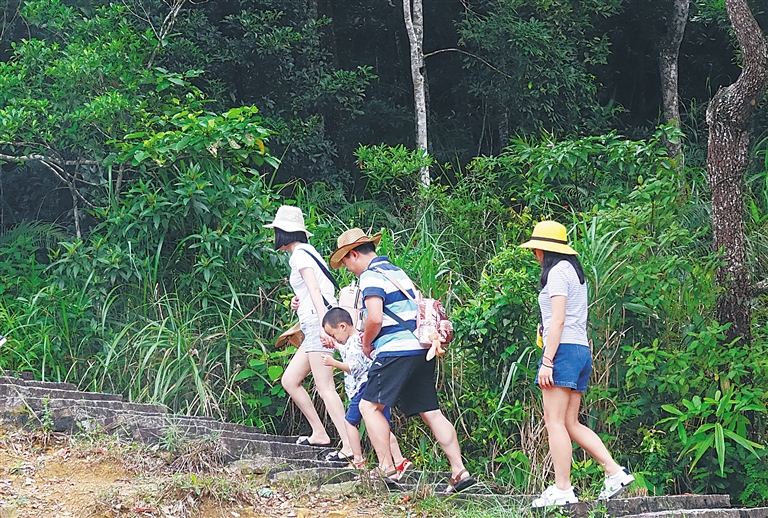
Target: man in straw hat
{"points": [[400, 375]]}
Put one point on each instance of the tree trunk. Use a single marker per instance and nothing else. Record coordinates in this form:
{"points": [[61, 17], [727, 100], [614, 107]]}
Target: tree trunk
{"points": [[414, 26], [669, 50], [729, 116]]}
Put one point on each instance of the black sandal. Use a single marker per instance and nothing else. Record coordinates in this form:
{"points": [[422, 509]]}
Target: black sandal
{"points": [[457, 484], [336, 456], [304, 441]]}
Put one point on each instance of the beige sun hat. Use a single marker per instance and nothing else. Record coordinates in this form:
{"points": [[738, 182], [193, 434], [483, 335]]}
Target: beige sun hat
{"points": [[350, 239], [550, 236], [293, 336], [289, 219]]}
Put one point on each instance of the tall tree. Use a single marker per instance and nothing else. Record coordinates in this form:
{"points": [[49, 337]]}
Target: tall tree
{"points": [[729, 116], [414, 26], [669, 51]]}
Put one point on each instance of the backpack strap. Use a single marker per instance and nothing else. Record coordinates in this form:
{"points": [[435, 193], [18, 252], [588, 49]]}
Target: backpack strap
{"points": [[327, 274], [392, 314], [323, 268]]}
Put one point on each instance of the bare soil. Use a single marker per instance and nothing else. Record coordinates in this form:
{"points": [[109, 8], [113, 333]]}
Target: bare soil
{"points": [[56, 476]]}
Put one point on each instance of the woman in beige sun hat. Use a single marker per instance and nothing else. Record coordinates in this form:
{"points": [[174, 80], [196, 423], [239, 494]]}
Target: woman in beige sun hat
{"points": [[566, 364], [314, 290]]}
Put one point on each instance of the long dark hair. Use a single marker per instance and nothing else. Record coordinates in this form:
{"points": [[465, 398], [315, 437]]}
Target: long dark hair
{"points": [[551, 259], [283, 238]]}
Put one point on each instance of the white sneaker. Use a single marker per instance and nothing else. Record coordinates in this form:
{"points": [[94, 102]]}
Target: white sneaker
{"points": [[615, 484], [554, 496]]}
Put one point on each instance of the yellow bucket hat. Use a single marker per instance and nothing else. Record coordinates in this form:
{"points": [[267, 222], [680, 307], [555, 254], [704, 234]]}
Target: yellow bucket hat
{"points": [[550, 236]]}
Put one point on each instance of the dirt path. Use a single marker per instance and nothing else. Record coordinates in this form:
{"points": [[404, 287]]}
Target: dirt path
{"points": [[53, 476]]}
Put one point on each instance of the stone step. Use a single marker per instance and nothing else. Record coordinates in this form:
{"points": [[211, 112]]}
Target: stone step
{"points": [[7, 380], [17, 403], [753, 512], [47, 392], [689, 513], [645, 504]]}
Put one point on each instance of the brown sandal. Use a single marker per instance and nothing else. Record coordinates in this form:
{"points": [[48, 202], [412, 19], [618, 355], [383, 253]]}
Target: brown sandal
{"points": [[457, 484]]}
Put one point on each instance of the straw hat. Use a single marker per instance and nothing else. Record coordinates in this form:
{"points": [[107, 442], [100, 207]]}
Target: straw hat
{"points": [[550, 236], [293, 336], [289, 219], [350, 239]]}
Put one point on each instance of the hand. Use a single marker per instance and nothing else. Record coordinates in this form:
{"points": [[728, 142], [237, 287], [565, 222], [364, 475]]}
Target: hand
{"points": [[367, 350], [326, 340], [546, 379], [295, 303], [328, 360]]}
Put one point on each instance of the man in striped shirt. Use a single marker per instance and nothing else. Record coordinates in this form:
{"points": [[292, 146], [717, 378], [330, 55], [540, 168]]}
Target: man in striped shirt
{"points": [[400, 375]]}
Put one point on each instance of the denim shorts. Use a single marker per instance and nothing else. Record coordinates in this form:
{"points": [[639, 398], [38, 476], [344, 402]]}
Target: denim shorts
{"points": [[573, 365], [312, 343], [353, 415]]}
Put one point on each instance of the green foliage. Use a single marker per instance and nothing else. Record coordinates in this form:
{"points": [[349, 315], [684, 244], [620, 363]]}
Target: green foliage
{"points": [[539, 55], [83, 86], [730, 413], [392, 171], [274, 55], [575, 174]]}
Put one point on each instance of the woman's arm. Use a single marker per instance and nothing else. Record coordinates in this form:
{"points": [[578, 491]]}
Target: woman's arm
{"points": [[554, 332], [308, 274]]}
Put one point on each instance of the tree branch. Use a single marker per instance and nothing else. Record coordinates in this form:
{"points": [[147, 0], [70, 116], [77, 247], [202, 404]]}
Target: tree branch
{"points": [[44, 158], [439, 51]]}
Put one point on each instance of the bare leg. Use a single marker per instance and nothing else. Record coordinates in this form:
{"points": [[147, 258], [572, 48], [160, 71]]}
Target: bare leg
{"points": [[323, 375], [397, 455], [378, 433], [586, 438], [292, 380], [556, 401], [446, 437], [354, 442]]}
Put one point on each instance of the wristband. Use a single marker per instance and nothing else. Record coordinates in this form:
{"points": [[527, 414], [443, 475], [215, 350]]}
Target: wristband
{"points": [[548, 358], [545, 365]]}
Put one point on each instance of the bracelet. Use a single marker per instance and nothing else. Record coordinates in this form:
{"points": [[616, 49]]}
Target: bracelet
{"points": [[548, 358], [550, 366]]}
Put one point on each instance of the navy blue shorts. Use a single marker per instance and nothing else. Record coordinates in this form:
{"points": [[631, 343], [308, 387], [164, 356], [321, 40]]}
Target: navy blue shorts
{"points": [[407, 382], [573, 365], [353, 415]]}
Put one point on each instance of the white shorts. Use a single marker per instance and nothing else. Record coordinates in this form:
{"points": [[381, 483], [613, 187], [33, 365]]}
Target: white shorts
{"points": [[312, 343]]}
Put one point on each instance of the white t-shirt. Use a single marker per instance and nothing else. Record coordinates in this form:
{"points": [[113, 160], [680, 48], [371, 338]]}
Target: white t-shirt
{"points": [[299, 260], [352, 354], [563, 280]]}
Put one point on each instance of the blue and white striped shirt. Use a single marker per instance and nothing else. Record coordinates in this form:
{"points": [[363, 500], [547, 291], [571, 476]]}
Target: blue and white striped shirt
{"points": [[394, 339]]}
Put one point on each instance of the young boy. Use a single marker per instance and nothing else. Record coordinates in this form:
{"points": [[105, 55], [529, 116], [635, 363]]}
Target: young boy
{"points": [[338, 324]]}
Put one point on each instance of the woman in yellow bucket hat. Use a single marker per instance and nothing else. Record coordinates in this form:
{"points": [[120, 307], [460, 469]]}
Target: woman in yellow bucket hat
{"points": [[566, 364]]}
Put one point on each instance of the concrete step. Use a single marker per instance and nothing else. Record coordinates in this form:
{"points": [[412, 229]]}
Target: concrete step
{"points": [[690, 513], [7, 380], [650, 504], [45, 391]]}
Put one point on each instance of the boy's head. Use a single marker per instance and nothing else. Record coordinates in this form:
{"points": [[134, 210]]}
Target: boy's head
{"points": [[337, 322]]}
